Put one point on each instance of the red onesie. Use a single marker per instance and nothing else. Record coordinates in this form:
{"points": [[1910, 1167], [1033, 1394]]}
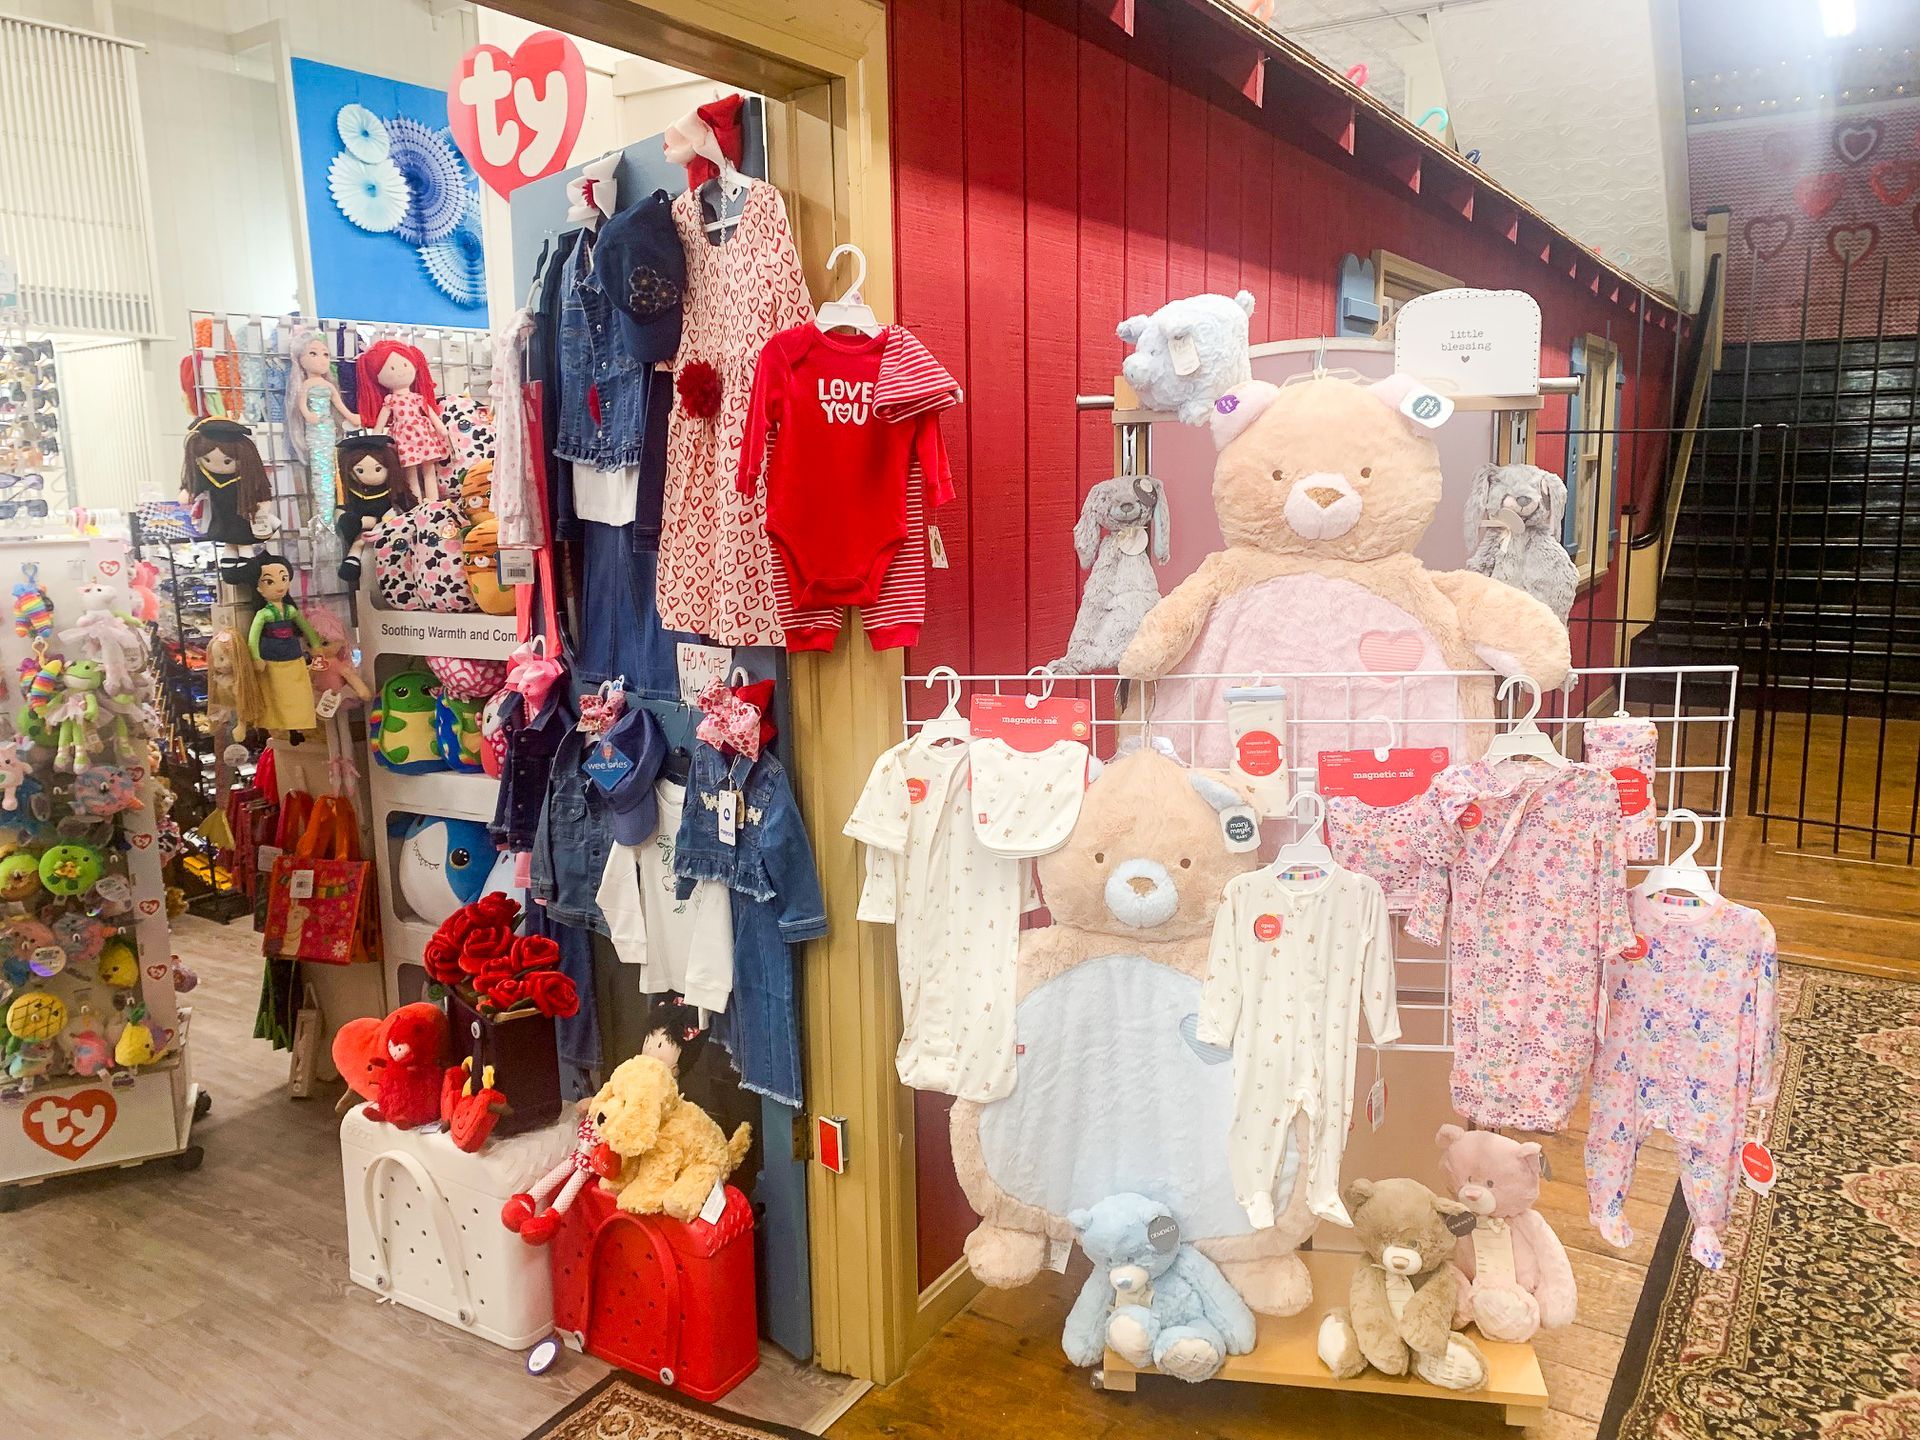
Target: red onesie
{"points": [[839, 478]]}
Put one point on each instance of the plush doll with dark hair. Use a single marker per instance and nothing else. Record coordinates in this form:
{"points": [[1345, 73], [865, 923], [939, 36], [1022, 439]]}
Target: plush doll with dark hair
{"points": [[223, 478], [370, 483], [280, 642]]}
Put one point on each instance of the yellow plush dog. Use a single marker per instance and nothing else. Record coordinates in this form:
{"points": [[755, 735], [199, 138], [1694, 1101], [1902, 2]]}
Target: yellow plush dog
{"points": [[670, 1151]]}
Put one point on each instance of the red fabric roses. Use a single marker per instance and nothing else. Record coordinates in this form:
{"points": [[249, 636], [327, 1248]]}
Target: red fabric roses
{"points": [[476, 952], [700, 389]]}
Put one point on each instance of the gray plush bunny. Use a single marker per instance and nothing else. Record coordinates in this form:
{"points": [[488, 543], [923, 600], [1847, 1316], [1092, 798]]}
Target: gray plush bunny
{"points": [[1121, 532], [1513, 533]]}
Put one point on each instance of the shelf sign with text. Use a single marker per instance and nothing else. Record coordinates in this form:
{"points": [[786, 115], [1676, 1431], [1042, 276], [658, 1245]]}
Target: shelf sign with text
{"points": [[1470, 342]]}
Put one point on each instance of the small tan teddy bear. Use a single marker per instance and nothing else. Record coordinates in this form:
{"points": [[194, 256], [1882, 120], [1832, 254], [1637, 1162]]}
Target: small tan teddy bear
{"points": [[671, 1153], [1400, 1306]]}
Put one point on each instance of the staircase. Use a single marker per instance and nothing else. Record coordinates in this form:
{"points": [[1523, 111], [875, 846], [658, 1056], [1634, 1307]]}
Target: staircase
{"points": [[1819, 508]]}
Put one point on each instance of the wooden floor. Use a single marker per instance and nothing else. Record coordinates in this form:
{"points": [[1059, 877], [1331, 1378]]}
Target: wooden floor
{"points": [[997, 1369], [151, 1305]]}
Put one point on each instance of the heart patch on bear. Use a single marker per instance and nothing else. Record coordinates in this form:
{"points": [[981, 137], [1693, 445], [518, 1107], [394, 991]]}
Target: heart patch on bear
{"points": [[1190, 1032], [1392, 650]]}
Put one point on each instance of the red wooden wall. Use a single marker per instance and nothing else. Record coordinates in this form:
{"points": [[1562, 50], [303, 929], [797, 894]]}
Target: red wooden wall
{"points": [[1052, 176]]}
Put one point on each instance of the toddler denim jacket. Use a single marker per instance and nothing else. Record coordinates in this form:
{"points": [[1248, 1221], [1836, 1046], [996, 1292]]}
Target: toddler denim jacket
{"points": [[603, 389], [776, 903]]}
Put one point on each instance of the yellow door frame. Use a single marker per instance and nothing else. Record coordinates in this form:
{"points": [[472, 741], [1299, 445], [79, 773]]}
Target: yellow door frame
{"points": [[822, 65]]}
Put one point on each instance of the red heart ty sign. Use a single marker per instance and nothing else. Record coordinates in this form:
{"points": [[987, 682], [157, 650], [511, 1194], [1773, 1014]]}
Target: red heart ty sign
{"points": [[69, 1126], [515, 117]]}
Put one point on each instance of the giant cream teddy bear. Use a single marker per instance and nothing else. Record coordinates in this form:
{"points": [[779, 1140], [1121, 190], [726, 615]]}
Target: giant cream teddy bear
{"points": [[1323, 487], [1115, 1093]]}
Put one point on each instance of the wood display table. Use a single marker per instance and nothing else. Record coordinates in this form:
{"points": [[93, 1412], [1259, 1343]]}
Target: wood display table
{"points": [[1286, 1353]]}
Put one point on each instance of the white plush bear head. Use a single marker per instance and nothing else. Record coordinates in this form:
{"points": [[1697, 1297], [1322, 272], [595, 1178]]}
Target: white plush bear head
{"points": [[1148, 857], [1323, 467], [1188, 353]]}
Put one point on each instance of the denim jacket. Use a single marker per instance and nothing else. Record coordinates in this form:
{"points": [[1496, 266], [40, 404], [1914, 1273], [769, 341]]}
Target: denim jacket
{"points": [[771, 860], [603, 391], [570, 847]]}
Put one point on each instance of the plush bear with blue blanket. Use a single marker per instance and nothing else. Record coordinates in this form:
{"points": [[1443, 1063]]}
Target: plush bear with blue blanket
{"points": [[1154, 1300], [1189, 353]]}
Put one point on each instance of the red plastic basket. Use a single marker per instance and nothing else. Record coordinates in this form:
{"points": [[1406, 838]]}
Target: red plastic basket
{"points": [[669, 1300]]}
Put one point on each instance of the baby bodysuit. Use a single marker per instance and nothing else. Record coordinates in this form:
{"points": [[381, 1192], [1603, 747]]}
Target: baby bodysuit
{"points": [[1530, 857], [1290, 970], [1625, 747], [684, 945], [1691, 1039], [1025, 801], [955, 906], [837, 479]]}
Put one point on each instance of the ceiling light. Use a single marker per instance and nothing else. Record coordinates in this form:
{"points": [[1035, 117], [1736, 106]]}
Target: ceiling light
{"points": [[1837, 18]]}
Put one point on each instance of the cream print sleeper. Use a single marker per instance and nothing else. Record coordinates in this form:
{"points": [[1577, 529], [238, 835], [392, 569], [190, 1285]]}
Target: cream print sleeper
{"points": [[1291, 968], [956, 908]]}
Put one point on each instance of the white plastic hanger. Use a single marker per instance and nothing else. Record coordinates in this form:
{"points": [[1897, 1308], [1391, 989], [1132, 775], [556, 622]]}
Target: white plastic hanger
{"points": [[1309, 848], [1683, 874], [1525, 741], [949, 726], [1045, 677], [849, 312], [1380, 752], [730, 183]]}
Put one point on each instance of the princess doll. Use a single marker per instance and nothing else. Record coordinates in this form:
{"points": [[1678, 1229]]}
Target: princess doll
{"points": [[279, 642], [397, 399], [316, 404], [334, 676], [371, 482], [226, 483]]}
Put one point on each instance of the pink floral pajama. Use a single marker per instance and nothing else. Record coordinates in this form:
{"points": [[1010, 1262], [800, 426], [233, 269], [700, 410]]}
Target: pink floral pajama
{"points": [[1625, 747], [1531, 857], [1690, 1042]]}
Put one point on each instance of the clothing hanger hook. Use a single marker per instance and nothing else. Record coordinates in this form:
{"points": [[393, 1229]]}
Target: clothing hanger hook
{"points": [[1393, 733], [1533, 694], [859, 268], [1319, 809], [952, 677], [1695, 840], [1045, 677]]}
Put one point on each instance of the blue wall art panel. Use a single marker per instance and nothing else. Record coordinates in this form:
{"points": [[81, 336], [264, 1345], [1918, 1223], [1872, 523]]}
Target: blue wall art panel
{"points": [[393, 209]]}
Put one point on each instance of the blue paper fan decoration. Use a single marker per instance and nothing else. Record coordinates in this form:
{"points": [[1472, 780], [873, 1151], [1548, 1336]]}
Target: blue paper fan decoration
{"points": [[363, 133], [436, 181], [373, 195], [458, 264]]}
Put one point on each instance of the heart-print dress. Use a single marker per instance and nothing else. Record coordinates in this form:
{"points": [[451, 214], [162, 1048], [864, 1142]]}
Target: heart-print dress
{"points": [[716, 571]]}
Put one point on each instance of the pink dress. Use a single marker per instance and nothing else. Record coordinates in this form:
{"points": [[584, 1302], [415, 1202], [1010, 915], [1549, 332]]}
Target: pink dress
{"points": [[1533, 859], [1692, 1031], [716, 569], [416, 435]]}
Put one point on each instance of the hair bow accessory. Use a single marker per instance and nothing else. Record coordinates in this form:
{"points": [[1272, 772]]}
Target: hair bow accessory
{"points": [[730, 723]]}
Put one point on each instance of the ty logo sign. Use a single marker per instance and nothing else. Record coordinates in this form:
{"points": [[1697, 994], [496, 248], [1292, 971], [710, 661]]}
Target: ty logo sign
{"points": [[515, 117], [69, 1126]]}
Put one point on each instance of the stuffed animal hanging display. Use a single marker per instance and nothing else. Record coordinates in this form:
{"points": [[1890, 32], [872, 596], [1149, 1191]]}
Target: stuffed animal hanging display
{"points": [[1121, 535], [108, 636], [1189, 353], [1514, 514], [32, 607], [75, 715]]}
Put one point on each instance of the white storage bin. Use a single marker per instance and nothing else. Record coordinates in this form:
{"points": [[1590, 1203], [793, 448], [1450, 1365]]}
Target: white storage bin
{"points": [[423, 1225]]}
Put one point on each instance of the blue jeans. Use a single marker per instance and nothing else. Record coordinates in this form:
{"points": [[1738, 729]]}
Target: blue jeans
{"points": [[620, 631], [760, 1027]]}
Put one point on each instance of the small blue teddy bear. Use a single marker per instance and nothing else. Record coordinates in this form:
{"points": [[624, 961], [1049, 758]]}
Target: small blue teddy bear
{"points": [[1189, 353], [1154, 1300]]}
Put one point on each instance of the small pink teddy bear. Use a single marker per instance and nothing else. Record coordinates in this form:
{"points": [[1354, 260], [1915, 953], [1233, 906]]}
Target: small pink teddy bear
{"points": [[1515, 1278]]}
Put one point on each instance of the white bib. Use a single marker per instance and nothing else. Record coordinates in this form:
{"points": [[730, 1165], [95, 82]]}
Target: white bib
{"points": [[1024, 803]]}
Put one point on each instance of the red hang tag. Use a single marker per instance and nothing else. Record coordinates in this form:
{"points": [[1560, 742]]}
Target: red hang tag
{"points": [[1470, 817], [916, 790], [1635, 787], [1258, 752], [1636, 951], [1756, 1167], [1267, 927], [1035, 727], [1363, 774]]}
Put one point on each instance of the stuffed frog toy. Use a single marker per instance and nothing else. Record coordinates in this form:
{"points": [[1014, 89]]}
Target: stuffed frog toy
{"points": [[405, 733]]}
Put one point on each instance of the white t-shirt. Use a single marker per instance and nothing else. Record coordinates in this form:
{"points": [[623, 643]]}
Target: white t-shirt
{"points": [[684, 945], [606, 497], [1025, 801]]}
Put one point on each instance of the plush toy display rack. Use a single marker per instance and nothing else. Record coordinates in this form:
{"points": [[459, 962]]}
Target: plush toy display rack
{"points": [[1692, 711], [152, 1115], [390, 641]]}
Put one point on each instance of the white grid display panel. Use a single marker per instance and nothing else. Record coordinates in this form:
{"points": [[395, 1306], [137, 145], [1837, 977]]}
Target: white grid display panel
{"points": [[242, 372], [1692, 707]]}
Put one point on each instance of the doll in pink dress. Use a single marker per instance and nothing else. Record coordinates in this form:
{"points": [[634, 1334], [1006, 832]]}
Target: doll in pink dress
{"points": [[397, 399]]}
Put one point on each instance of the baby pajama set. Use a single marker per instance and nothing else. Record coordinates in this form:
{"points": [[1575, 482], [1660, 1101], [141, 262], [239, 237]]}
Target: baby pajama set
{"points": [[681, 945], [1531, 856], [846, 428], [1691, 1038], [1625, 747], [1290, 970], [956, 909]]}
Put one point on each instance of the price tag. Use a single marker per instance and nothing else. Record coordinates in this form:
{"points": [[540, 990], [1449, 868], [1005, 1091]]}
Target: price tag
{"points": [[1757, 1168], [716, 1203], [516, 567], [327, 704], [1163, 1233], [300, 885], [699, 664], [1377, 1102], [1184, 354], [728, 812], [936, 548], [1427, 407]]}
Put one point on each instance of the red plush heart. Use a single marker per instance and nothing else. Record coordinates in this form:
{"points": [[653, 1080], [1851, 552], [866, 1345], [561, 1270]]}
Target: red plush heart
{"points": [[515, 117], [355, 1046], [1817, 194], [69, 1125]]}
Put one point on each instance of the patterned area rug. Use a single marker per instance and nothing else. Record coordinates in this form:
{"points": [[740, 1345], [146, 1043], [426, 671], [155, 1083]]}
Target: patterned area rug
{"points": [[626, 1407], [1813, 1327]]}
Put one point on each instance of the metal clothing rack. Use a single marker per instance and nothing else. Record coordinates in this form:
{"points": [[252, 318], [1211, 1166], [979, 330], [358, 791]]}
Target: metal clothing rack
{"points": [[1692, 708]]}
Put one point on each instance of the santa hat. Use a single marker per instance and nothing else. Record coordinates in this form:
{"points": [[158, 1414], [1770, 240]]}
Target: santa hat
{"points": [[699, 138]]}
